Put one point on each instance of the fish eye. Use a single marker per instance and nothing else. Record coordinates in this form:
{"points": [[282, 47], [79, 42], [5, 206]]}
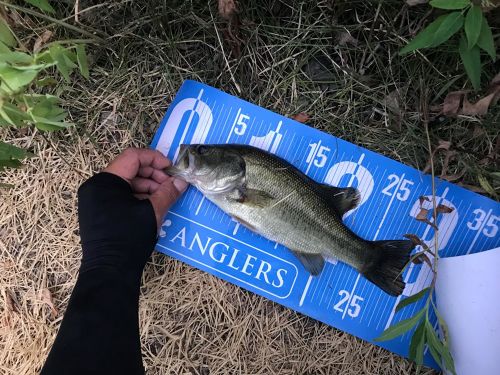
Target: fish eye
{"points": [[202, 150]]}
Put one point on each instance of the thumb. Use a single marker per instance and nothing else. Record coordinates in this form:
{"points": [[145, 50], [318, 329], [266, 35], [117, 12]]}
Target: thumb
{"points": [[166, 195]]}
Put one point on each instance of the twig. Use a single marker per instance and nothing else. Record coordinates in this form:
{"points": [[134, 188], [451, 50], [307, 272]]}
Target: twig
{"points": [[425, 115], [77, 10]]}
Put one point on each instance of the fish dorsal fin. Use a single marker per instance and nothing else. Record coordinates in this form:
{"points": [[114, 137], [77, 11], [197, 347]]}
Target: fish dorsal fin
{"points": [[313, 263], [340, 199]]}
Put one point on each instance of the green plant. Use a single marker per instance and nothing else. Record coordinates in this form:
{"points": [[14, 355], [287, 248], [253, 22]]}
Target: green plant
{"points": [[24, 77], [465, 16], [425, 333]]}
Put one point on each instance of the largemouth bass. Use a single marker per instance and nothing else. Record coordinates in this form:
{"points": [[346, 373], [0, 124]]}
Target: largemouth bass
{"points": [[270, 196]]}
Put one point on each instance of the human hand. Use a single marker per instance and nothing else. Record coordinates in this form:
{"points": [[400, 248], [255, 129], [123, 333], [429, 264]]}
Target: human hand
{"points": [[121, 209], [143, 169]]}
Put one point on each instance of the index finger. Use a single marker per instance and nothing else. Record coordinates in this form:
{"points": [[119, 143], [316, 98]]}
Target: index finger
{"points": [[127, 164]]}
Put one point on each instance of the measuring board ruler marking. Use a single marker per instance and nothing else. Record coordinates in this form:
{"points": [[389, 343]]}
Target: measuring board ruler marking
{"points": [[196, 232]]}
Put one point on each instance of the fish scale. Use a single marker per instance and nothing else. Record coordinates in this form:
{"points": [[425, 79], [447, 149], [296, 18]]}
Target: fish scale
{"points": [[302, 220]]}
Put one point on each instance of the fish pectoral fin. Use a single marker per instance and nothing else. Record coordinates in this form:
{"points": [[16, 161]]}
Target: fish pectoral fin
{"points": [[341, 199], [257, 198], [244, 222], [251, 197], [313, 263], [236, 195]]}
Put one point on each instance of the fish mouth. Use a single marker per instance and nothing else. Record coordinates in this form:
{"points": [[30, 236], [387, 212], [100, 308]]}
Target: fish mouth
{"points": [[181, 165], [182, 161]]}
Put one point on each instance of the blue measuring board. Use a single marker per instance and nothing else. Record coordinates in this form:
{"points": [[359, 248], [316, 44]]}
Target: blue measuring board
{"points": [[197, 232]]}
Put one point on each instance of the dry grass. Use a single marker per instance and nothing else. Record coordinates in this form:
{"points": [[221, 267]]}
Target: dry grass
{"points": [[191, 322]]}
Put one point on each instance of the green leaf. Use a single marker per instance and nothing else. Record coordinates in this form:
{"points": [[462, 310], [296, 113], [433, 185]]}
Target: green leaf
{"points": [[15, 57], [41, 4], [473, 25], [49, 125], [83, 64], [10, 156], [33, 67], [450, 4], [437, 32], [9, 164], [69, 62], [6, 35], [12, 115], [47, 108], [471, 58], [44, 112], [44, 57], [6, 117], [4, 48], [57, 54], [13, 80], [47, 81], [416, 351], [450, 25], [412, 299], [70, 57], [8, 151], [485, 40], [486, 185], [448, 359], [424, 38], [434, 344], [401, 327]]}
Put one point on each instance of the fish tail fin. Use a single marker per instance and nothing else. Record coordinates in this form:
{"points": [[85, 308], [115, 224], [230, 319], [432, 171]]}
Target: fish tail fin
{"points": [[385, 265]]}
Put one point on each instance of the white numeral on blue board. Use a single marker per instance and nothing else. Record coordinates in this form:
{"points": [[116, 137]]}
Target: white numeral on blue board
{"points": [[404, 188], [318, 155], [484, 223], [352, 306], [241, 126]]}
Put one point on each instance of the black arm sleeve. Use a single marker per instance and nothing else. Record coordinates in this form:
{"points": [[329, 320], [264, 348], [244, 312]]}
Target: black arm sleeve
{"points": [[99, 333]]}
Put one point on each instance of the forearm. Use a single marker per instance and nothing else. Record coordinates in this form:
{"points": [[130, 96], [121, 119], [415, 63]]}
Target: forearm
{"points": [[99, 333]]}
